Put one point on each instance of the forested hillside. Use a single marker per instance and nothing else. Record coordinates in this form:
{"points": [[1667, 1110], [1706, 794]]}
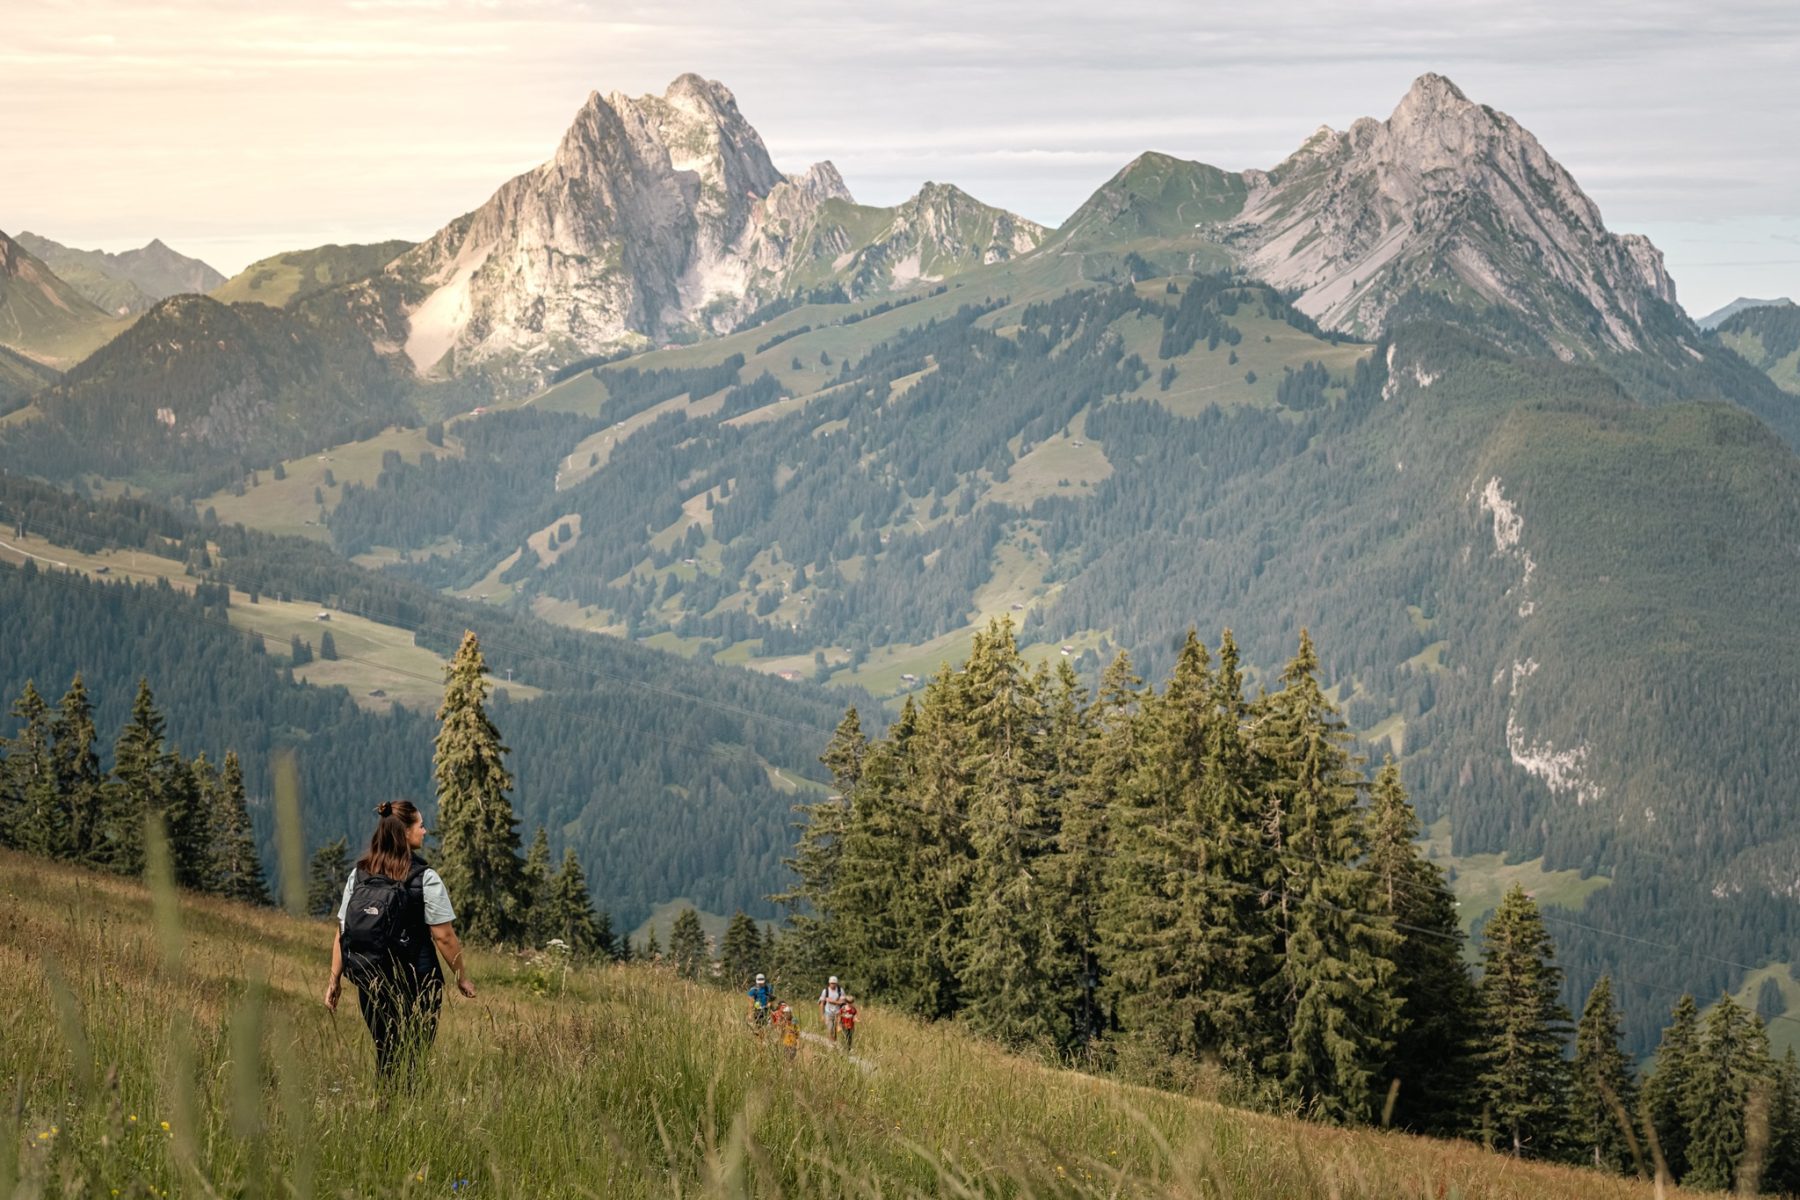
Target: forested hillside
{"points": [[200, 390], [1767, 336], [662, 774], [1512, 563], [1201, 888]]}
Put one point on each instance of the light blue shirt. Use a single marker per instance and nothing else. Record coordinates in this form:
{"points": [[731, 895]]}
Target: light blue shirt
{"points": [[438, 910]]}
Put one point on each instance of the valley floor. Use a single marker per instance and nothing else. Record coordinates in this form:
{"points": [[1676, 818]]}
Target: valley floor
{"points": [[187, 1054]]}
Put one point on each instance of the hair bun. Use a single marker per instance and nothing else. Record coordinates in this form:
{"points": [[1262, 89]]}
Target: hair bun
{"points": [[385, 809]]}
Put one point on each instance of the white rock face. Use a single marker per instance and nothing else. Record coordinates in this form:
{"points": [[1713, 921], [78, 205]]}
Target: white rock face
{"points": [[1454, 197], [658, 216], [1563, 771], [1509, 526], [633, 226]]}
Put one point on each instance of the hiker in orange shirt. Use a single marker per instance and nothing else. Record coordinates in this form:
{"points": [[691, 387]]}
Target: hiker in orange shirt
{"points": [[847, 1022]]}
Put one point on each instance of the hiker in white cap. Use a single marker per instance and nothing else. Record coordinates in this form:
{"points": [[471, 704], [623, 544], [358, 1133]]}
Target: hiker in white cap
{"points": [[831, 1000]]}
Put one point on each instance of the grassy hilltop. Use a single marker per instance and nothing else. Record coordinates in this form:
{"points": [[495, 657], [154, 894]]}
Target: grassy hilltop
{"points": [[187, 1054]]}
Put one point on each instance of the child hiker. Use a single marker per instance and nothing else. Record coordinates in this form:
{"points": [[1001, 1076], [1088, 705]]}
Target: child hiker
{"points": [[790, 1032], [847, 1022]]}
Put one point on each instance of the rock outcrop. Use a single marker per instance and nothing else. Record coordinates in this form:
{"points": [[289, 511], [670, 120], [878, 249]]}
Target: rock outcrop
{"points": [[658, 217], [1454, 198]]}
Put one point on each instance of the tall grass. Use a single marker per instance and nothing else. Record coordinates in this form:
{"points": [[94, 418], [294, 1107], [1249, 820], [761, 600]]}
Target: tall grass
{"points": [[188, 1054]]}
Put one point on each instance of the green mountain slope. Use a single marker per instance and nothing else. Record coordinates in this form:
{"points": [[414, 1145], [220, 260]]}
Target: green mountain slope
{"points": [[1768, 337], [660, 1072], [1515, 565], [196, 385], [20, 377], [283, 280], [1154, 200], [128, 282], [44, 318], [669, 777]]}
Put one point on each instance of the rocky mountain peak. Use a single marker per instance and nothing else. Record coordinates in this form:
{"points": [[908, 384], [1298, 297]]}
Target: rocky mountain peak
{"points": [[821, 182], [658, 216], [1451, 197]]}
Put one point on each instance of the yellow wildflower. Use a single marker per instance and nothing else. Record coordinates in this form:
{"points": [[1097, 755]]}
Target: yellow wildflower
{"points": [[165, 1126]]}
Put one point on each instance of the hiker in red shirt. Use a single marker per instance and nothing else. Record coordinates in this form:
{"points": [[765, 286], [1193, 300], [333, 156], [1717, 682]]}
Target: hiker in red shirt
{"points": [[847, 1022]]}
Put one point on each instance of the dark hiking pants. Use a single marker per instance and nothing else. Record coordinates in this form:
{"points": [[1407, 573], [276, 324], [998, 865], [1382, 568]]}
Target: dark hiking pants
{"points": [[402, 1015]]}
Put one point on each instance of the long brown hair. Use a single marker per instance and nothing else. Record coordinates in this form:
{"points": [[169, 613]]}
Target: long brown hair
{"points": [[390, 853]]}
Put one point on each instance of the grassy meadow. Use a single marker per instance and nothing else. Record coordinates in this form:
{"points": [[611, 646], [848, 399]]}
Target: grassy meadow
{"points": [[161, 1046]]}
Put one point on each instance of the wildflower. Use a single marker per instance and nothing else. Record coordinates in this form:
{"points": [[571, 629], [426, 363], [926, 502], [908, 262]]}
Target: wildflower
{"points": [[44, 1137], [132, 1118]]}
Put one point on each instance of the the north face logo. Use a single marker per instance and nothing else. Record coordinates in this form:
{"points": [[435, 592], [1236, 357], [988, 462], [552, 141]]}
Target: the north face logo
{"points": [[372, 911]]}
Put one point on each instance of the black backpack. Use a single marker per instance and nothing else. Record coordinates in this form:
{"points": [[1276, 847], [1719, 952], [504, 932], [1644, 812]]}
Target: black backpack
{"points": [[379, 926]]}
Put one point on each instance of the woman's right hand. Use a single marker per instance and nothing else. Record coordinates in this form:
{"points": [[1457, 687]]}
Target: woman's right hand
{"points": [[333, 990], [466, 986]]}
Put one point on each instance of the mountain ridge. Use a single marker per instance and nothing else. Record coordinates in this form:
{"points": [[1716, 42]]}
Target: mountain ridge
{"points": [[128, 281], [43, 316]]}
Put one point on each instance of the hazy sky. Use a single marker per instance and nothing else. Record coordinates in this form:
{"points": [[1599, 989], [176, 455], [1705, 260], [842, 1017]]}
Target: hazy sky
{"points": [[237, 129]]}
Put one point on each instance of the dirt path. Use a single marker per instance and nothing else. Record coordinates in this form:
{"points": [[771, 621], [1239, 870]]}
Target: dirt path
{"points": [[861, 1064]]}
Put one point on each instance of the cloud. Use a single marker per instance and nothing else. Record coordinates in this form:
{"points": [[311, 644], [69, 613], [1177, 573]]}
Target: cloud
{"points": [[251, 123]]}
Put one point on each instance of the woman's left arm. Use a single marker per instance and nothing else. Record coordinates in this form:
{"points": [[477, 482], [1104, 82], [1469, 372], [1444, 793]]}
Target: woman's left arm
{"points": [[450, 946], [334, 987]]}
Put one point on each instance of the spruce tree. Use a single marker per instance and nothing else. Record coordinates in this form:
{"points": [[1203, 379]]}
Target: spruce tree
{"points": [[33, 813], [1732, 1064], [325, 877], [78, 776], [327, 647], [1431, 1057], [136, 787], [1671, 1082], [1097, 753], [571, 912], [687, 945], [897, 905], [1234, 855], [1137, 913], [541, 920], [190, 795], [238, 865], [1604, 1089], [1331, 998], [1524, 1081], [740, 954], [1011, 952], [652, 951], [1783, 1174], [478, 837], [1066, 752], [821, 844], [1185, 938]]}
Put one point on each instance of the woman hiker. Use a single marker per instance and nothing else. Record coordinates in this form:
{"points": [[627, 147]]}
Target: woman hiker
{"points": [[394, 921]]}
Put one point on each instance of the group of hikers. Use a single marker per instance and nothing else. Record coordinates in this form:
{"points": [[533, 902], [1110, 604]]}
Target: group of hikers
{"points": [[394, 922], [837, 1011]]}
